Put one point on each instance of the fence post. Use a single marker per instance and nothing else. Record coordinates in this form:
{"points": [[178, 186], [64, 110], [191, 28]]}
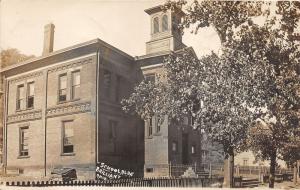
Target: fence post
{"points": [[259, 174], [195, 165], [210, 171], [170, 169]]}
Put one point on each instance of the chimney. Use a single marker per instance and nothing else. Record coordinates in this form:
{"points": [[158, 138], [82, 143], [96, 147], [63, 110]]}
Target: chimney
{"points": [[48, 38]]}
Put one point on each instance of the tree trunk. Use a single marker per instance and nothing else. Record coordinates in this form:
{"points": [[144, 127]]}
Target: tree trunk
{"points": [[229, 169], [295, 173], [272, 170]]}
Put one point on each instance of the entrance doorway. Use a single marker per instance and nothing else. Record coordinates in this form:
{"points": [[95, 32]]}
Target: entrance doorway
{"points": [[185, 149]]}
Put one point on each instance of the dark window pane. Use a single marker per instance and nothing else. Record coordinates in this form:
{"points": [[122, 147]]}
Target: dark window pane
{"points": [[30, 95], [24, 153], [62, 98], [150, 127], [30, 102], [68, 149], [24, 141], [165, 23], [150, 130], [155, 25]]}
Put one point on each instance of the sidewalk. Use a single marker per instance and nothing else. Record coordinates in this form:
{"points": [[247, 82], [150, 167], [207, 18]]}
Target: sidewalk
{"points": [[283, 185]]}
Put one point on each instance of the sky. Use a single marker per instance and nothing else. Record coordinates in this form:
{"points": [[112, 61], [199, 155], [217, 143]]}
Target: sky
{"points": [[121, 23]]}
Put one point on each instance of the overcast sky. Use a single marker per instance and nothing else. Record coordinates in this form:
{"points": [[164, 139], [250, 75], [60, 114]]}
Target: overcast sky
{"points": [[122, 23]]}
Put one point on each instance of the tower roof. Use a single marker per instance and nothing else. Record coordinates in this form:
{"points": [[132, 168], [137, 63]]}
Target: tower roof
{"points": [[160, 8]]}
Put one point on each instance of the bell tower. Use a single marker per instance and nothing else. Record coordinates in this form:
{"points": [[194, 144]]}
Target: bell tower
{"points": [[165, 35]]}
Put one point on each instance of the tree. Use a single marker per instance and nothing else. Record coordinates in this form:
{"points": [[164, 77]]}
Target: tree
{"points": [[272, 44], [291, 151], [212, 90], [12, 56], [255, 77], [223, 16], [278, 97]]}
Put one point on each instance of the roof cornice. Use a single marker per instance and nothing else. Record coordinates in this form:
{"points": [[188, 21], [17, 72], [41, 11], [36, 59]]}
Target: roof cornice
{"points": [[97, 42]]}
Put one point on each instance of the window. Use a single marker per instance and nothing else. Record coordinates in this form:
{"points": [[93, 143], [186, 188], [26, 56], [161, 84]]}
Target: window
{"points": [[155, 25], [164, 23], [192, 120], [107, 82], [204, 154], [68, 137], [24, 141], [186, 121], [62, 93], [150, 78], [75, 85], [112, 129], [157, 127], [158, 123], [149, 170], [193, 149], [202, 131], [30, 95], [174, 146], [150, 127], [245, 162], [20, 97], [118, 90]]}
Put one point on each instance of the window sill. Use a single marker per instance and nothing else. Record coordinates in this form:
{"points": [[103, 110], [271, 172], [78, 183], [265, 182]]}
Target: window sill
{"points": [[68, 101], [61, 102], [67, 154], [25, 109], [23, 157], [150, 137]]}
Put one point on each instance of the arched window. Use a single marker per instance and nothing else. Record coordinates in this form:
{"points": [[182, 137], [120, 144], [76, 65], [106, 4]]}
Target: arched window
{"points": [[164, 23], [156, 25]]}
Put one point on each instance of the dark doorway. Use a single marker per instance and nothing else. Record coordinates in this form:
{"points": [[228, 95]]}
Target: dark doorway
{"points": [[185, 148]]}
